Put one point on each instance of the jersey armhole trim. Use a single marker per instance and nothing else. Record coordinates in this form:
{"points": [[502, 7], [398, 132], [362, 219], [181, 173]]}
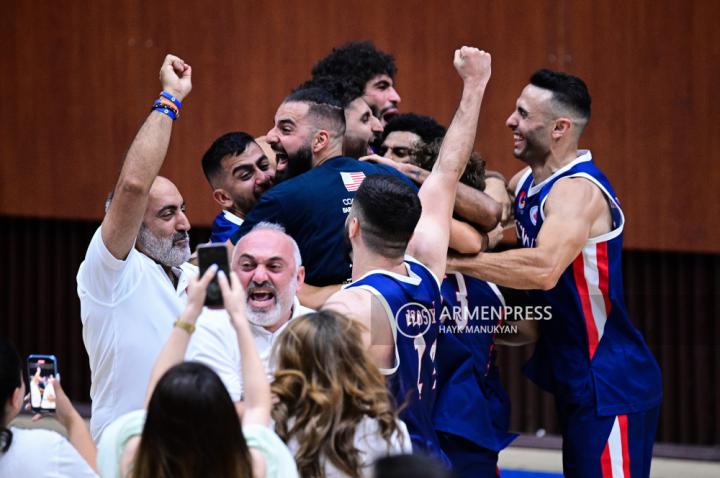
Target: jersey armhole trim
{"points": [[393, 327], [603, 237]]}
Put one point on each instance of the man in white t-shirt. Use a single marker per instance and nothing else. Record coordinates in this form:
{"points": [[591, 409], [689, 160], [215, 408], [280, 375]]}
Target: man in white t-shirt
{"points": [[132, 283], [268, 263]]}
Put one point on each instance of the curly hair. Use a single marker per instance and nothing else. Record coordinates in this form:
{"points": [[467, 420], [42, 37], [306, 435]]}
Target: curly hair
{"points": [[325, 385], [474, 174], [426, 127], [357, 62]]}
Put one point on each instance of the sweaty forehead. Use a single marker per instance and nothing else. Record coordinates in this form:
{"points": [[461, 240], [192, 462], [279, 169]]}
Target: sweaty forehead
{"points": [[377, 79], [536, 97], [264, 245], [251, 154], [358, 107], [163, 193], [292, 110]]}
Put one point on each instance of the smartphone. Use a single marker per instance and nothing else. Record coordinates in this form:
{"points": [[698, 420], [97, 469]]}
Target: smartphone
{"points": [[209, 254], [41, 368]]}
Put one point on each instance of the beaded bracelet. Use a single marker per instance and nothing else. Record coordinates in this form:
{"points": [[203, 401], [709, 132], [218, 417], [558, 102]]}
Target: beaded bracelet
{"points": [[165, 109], [170, 97]]}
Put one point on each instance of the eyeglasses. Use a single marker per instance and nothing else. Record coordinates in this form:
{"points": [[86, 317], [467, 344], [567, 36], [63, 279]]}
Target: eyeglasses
{"points": [[398, 151]]}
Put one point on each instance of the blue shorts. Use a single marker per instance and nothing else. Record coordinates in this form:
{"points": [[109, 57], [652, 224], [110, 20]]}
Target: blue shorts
{"points": [[606, 446], [468, 459]]}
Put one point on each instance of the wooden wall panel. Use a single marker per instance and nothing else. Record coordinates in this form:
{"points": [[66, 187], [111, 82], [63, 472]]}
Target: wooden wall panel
{"points": [[77, 80]]}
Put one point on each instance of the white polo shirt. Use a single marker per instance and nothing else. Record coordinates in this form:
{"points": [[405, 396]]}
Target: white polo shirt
{"points": [[215, 344], [127, 309]]}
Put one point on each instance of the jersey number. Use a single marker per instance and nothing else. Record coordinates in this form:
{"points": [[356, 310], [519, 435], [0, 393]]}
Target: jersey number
{"points": [[420, 347]]}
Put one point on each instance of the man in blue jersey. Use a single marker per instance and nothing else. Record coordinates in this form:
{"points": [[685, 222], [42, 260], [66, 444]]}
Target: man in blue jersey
{"points": [[239, 172], [313, 203], [569, 223], [397, 296]]}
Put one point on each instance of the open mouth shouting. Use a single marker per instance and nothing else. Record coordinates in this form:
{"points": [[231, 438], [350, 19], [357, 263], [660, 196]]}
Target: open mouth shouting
{"points": [[261, 296]]}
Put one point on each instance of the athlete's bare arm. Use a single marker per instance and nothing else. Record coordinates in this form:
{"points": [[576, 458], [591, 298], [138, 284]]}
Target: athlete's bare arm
{"points": [[470, 204], [363, 307], [142, 163], [431, 238], [575, 210], [315, 296]]}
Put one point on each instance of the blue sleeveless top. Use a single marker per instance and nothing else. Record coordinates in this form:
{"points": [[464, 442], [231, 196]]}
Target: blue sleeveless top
{"points": [[589, 352], [412, 304]]}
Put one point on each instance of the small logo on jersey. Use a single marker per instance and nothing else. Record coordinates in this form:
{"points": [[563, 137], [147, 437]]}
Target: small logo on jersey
{"points": [[352, 181], [521, 200], [534, 215], [413, 320]]}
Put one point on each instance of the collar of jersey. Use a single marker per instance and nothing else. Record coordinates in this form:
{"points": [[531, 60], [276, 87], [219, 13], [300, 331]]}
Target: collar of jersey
{"points": [[583, 155]]}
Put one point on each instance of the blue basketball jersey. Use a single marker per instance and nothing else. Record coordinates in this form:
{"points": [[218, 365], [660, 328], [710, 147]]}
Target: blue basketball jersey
{"points": [[589, 351], [412, 304], [471, 402]]}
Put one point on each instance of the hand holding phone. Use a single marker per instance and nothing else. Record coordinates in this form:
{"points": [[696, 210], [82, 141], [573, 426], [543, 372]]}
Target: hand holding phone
{"points": [[209, 254], [42, 370]]}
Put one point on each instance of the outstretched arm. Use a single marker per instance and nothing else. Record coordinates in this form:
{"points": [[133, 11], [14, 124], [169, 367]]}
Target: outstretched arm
{"points": [[257, 401], [575, 210], [142, 163], [437, 194]]}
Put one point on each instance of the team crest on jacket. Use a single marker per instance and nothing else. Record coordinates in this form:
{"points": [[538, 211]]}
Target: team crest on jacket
{"points": [[352, 180]]}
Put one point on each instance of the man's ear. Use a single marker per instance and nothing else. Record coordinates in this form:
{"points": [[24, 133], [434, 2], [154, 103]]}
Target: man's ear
{"points": [[300, 277], [561, 128], [222, 198], [353, 227], [320, 141]]}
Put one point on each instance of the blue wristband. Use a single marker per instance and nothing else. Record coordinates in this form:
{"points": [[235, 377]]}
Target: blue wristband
{"points": [[170, 97], [165, 110]]}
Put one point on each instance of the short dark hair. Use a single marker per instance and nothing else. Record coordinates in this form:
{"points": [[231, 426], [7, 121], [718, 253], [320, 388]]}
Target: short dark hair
{"points": [[229, 144], [343, 89], [325, 110], [424, 126], [568, 90], [389, 210], [357, 62]]}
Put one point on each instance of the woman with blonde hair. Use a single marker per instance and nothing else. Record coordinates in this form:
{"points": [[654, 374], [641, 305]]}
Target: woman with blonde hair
{"points": [[333, 408]]}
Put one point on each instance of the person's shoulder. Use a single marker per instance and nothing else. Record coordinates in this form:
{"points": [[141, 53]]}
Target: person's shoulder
{"points": [[35, 437]]}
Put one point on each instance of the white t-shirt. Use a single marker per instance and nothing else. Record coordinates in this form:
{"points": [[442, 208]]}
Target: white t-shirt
{"points": [[371, 446], [42, 453], [127, 310], [215, 344]]}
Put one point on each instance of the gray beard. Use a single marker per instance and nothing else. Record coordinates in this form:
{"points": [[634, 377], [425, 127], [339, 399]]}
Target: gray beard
{"points": [[161, 249], [283, 304]]}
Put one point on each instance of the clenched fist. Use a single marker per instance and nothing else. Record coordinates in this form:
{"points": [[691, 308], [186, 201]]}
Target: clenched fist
{"points": [[175, 77], [473, 65]]}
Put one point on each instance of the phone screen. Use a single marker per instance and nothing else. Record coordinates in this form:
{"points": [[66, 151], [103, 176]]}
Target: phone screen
{"points": [[208, 255], [42, 368]]}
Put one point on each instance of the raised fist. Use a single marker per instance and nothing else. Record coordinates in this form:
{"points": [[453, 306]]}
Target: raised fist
{"points": [[175, 77], [472, 65]]}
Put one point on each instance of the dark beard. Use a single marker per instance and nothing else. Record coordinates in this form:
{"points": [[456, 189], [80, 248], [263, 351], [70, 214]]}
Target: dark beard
{"points": [[300, 162], [355, 147]]}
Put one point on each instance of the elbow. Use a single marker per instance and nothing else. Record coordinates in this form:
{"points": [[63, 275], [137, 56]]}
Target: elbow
{"points": [[548, 278], [131, 187]]}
